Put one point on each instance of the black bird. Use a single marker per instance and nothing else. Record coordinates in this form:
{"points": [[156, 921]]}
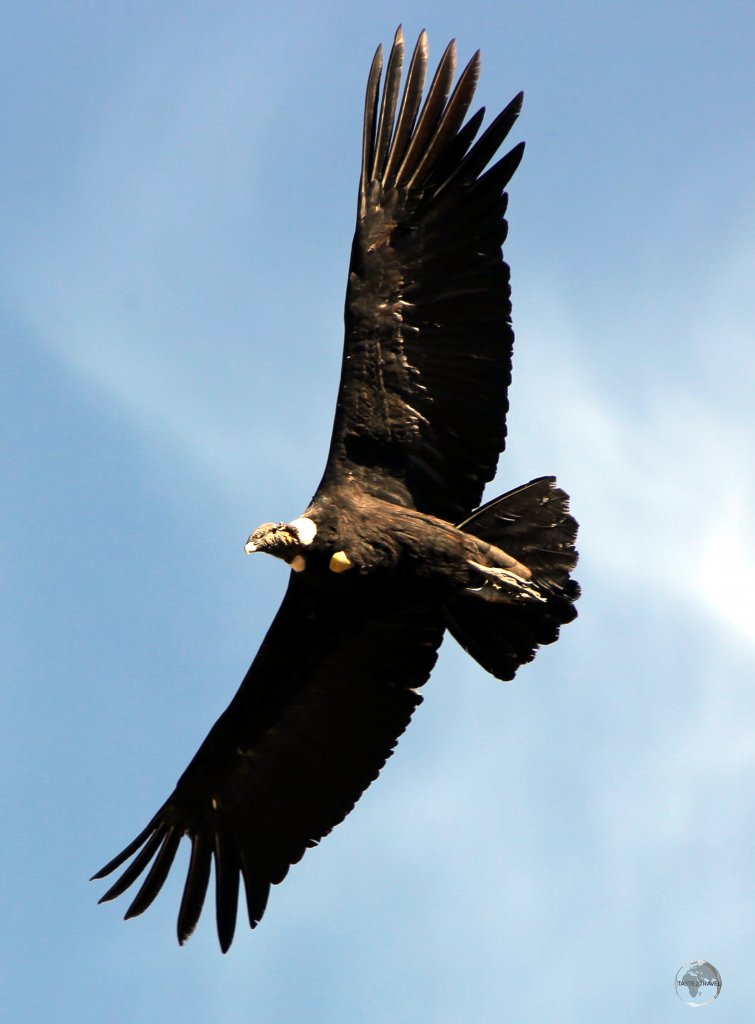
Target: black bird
{"points": [[379, 571]]}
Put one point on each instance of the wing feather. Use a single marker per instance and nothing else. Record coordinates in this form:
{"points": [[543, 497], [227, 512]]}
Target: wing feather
{"points": [[448, 125], [197, 880], [415, 83], [429, 119], [153, 840], [388, 105], [477, 159], [156, 874], [227, 868], [370, 116]]}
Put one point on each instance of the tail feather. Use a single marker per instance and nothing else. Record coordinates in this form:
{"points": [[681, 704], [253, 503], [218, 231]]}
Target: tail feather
{"points": [[531, 523]]}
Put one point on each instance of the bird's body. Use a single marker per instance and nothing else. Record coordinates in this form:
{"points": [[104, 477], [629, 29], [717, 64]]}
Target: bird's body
{"points": [[392, 550], [364, 545]]}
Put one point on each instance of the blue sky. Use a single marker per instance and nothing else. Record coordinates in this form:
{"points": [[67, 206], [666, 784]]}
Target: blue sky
{"points": [[177, 191]]}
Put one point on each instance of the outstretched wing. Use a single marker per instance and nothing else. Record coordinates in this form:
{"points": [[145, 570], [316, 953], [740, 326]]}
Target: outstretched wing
{"points": [[313, 722], [421, 413]]}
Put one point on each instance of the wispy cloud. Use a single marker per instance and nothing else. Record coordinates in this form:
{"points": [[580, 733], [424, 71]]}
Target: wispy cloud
{"points": [[661, 477]]}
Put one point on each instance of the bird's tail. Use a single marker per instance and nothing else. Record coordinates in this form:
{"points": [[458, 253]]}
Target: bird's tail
{"points": [[531, 523]]}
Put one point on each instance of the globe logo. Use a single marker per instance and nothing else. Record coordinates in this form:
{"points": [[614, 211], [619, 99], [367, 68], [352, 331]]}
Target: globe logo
{"points": [[697, 983]]}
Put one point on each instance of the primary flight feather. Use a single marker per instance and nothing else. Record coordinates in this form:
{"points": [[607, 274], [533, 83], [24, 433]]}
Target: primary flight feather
{"points": [[379, 571]]}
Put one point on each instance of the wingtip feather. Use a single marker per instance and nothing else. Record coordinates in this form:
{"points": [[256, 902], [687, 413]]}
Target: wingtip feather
{"points": [[135, 868], [226, 891], [195, 888], [156, 876], [127, 851]]}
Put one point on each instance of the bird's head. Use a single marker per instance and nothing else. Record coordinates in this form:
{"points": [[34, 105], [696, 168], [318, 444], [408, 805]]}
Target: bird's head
{"points": [[284, 540]]}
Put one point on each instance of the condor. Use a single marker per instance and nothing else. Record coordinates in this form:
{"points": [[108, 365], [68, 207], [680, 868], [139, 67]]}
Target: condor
{"points": [[390, 552]]}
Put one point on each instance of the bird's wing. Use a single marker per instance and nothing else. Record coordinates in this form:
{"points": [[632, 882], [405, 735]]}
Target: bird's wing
{"points": [[421, 413], [313, 722]]}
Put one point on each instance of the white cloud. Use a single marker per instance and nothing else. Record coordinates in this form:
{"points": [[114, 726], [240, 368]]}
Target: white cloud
{"points": [[661, 480]]}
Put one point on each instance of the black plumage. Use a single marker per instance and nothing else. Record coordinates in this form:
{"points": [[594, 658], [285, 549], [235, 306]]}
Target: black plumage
{"points": [[379, 571]]}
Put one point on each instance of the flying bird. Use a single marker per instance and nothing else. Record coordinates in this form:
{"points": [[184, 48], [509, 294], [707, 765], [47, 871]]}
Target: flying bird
{"points": [[393, 550]]}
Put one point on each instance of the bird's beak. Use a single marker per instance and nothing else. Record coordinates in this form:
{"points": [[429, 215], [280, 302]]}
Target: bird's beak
{"points": [[249, 547]]}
